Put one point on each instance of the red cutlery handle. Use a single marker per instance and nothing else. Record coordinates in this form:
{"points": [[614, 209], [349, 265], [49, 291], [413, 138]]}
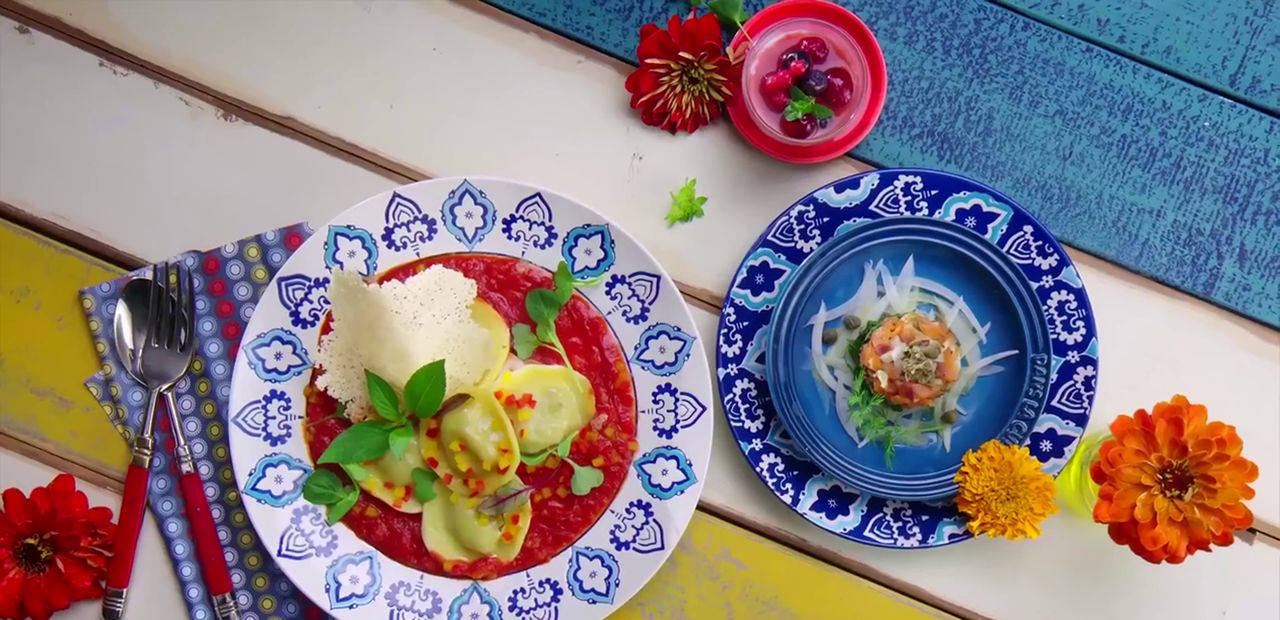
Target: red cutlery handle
{"points": [[132, 508], [208, 548]]}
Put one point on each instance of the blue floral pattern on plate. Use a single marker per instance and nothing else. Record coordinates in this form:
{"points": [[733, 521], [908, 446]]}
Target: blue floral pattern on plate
{"points": [[352, 249], [475, 603], [277, 479], [643, 308], [269, 418], [468, 214], [593, 575], [277, 356], [828, 212], [353, 580]]}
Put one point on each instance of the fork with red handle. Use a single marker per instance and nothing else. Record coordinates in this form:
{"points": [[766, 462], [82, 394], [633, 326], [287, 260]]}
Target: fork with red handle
{"points": [[159, 361]]}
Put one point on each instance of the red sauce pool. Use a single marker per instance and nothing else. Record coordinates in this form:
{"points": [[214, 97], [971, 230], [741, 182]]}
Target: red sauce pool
{"points": [[608, 441]]}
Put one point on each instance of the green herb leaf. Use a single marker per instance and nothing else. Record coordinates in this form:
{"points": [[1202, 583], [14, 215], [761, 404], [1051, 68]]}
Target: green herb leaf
{"points": [[323, 487], [341, 409], [424, 484], [729, 12], [546, 333], [565, 283], [357, 472], [424, 391], [399, 440], [536, 459], [563, 449], [507, 499], [822, 111], [585, 479], [340, 508], [686, 204], [524, 340], [383, 397], [542, 304], [362, 442], [803, 105], [797, 94]]}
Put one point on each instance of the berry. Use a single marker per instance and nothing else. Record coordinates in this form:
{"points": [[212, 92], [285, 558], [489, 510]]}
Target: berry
{"points": [[786, 62], [777, 100], [816, 48], [797, 68], [800, 128], [823, 122], [839, 89], [776, 81], [813, 83]]}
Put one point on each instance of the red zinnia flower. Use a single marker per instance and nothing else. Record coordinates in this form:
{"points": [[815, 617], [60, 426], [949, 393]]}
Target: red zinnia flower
{"points": [[684, 76], [53, 549]]}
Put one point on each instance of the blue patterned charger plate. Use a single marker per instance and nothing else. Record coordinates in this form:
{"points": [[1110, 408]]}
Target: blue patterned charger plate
{"points": [[831, 211], [1002, 405], [620, 552]]}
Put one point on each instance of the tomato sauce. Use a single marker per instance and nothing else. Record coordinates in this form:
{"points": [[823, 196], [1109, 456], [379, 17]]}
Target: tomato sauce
{"points": [[607, 442]]}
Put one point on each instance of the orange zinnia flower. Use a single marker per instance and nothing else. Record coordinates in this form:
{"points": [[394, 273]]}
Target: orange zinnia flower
{"points": [[1172, 482]]}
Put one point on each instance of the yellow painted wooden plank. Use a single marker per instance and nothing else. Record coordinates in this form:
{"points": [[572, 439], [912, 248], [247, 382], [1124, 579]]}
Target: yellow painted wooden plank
{"points": [[718, 570], [46, 352]]}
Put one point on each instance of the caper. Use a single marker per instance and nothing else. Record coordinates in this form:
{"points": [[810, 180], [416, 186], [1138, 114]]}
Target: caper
{"points": [[829, 336], [932, 350], [949, 416], [852, 323]]}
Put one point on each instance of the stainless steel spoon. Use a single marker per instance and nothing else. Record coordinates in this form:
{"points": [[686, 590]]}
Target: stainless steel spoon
{"points": [[129, 325]]}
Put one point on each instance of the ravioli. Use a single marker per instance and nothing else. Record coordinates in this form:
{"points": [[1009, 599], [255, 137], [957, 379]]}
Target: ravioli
{"points": [[472, 447], [391, 479], [455, 532], [499, 338], [546, 404]]}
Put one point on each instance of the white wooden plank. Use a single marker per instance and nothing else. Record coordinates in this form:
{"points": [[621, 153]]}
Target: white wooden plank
{"points": [[154, 593], [1073, 555]]}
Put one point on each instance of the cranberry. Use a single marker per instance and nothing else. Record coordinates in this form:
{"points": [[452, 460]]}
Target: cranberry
{"points": [[797, 68], [777, 100], [800, 128], [816, 48], [813, 83], [786, 62], [776, 81], [839, 89]]}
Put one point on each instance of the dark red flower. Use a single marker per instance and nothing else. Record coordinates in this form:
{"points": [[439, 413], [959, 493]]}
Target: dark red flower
{"points": [[53, 549], [685, 76]]}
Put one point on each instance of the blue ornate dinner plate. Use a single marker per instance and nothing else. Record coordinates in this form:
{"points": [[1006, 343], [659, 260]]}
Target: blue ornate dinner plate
{"points": [[824, 216], [617, 555], [1004, 405]]}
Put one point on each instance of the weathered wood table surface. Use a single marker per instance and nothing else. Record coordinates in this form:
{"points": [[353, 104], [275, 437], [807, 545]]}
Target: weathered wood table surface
{"points": [[133, 130]]}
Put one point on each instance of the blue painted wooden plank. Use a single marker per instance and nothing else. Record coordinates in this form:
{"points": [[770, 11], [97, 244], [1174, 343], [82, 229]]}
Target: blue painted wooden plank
{"points": [[1117, 158], [1231, 46]]}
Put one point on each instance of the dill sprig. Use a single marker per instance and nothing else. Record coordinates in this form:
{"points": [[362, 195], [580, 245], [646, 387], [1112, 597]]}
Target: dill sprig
{"points": [[867, 409]]}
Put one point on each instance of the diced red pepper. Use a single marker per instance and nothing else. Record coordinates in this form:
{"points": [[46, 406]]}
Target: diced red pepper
{"points": [[432, 462], [448, 479]]}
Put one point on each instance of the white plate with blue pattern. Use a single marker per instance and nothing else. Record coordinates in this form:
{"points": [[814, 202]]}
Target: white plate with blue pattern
{"points": [[671, 379]]}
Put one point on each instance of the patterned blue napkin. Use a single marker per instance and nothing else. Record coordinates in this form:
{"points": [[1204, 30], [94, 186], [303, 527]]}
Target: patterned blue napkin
{"points": [[228, 282]]}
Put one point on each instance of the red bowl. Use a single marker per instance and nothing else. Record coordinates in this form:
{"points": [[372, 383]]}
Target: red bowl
{"points": [[774, 28]]}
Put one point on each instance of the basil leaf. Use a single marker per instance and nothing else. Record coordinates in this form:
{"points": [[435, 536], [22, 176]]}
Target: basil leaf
{"points": [[399, 439], [523, 340], [357, 472], [424, 481], [322, 487], [563, 449], [507, 499], [564, 281], [425, 390], [340, 508], [362, 442], [585, 479], [542, 305], [383, 397]]}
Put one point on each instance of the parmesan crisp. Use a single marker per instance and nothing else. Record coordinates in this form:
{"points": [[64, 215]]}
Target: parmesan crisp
{"points": [[394, 328]]}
